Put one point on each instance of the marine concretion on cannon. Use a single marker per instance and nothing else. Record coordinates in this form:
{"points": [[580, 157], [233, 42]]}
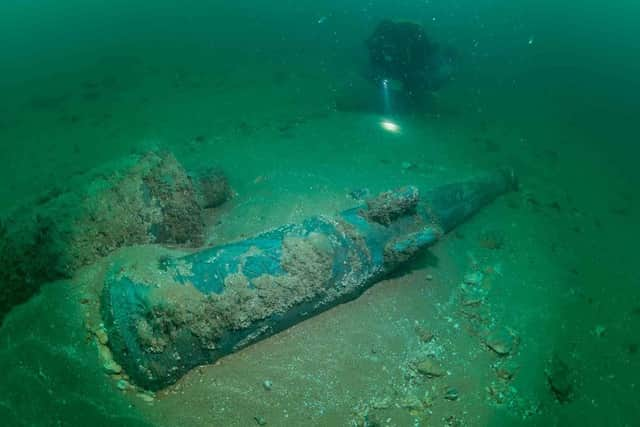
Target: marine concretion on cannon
{"points": [[176, 313]]}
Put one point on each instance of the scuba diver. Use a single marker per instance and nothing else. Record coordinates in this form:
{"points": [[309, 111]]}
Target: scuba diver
{"points": [[403, 59]]}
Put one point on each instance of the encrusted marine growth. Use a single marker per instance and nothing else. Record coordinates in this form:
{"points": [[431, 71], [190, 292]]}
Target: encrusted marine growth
{"points": [[167, 313], [142, 199]]}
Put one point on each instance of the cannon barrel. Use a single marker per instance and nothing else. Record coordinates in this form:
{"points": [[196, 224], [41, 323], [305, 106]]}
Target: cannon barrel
{"points": [[172, 314]]}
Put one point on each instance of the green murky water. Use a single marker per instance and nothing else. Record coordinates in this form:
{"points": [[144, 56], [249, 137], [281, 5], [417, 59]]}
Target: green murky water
{"points": [[280, 97]]}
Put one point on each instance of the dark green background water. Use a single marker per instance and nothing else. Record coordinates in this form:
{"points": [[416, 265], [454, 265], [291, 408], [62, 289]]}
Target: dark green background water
{"points": [[580, 68], [552, 86]]}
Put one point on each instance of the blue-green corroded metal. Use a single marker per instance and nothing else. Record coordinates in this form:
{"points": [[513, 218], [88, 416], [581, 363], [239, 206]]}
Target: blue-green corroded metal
{"points": [[196, 308]]}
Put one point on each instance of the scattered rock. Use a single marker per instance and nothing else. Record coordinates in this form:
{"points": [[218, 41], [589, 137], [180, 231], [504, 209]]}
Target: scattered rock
{"points": [[373, 419], [429, 277], [267, 384], [109, 365], [473, 278], [146, 397], [506, 369], [492, 240], [382, 403], [412, 403], [560, 379], [452, 421], [451, 394], [472, 301], [502, 341], [407, 166], [112, 367], [101, 335], [123, 385], [431, 368], [427, 399], [360, 194], [213, 187], [500, 392], [472, 292], [424, 334], [261, 421]]}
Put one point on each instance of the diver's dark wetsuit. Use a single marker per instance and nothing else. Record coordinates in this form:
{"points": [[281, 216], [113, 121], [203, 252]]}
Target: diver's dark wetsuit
{"points": [[401, 51]]}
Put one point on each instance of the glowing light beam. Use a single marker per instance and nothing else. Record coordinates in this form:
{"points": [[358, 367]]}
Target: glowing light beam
{"points": [[390, 126]]}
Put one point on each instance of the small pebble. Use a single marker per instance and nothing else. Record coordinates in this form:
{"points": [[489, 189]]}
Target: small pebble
{"points": [[424, 334], [451, 394], [474, 278], [411, 402], [560, 378], [108, 364], [506, 370], [429, 277], [430, 368], [382, 403], [123, 385], [260, 421], [112, 367], [101, 334], [502, 341], [267, 384], [359, 194], [146, 397]]}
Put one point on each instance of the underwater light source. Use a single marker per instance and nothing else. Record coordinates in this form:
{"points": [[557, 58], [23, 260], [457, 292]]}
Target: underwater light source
{"points": [[386, 99], [390, 126]]}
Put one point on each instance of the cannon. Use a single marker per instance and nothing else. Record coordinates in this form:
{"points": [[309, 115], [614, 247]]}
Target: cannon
{"points": [[168, 314]]}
